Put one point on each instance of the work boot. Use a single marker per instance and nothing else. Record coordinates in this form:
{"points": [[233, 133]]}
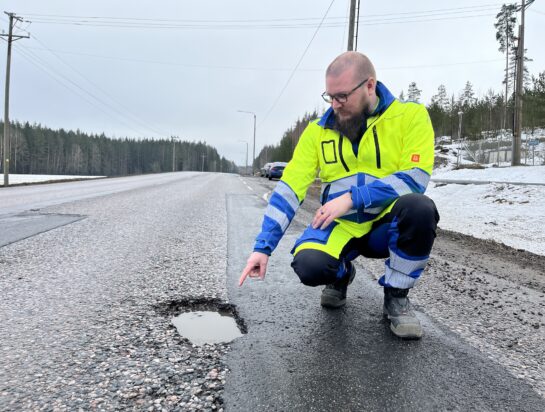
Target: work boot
{"points": [[334, 294], [397, 308]]}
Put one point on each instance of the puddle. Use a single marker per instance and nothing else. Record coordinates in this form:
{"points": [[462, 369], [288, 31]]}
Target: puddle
{"points": [[204, 327]]}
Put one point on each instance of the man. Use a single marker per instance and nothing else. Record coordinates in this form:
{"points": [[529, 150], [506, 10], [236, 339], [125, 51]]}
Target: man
{"points": [[375, 157]]}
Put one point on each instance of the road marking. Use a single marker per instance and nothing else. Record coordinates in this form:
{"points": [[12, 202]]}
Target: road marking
{"points": [[249, 187], [266, 196]]}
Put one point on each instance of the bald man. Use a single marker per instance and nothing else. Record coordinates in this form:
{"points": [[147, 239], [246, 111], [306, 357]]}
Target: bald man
{"points": [[374, 155]]}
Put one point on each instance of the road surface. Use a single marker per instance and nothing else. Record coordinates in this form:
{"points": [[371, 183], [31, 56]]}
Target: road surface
{"points": [[92, 273]]}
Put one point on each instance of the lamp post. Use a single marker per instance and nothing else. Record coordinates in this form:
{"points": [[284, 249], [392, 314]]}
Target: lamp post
{"points": [[253, 156], [244, 141], [460, 113]]}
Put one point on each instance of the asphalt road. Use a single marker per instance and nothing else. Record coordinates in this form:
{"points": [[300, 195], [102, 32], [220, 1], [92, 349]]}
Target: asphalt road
{"points": [[86, 307], [298, 356], [92, 272]]}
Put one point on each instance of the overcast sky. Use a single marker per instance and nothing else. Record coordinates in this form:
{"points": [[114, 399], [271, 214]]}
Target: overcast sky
{"points": [[174, 67]]}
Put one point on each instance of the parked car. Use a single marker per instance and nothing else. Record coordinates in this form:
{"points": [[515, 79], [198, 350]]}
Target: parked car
{"points": [[277, 169], [264, 172]]}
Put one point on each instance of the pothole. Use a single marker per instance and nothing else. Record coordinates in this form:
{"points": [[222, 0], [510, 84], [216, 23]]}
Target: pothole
{"points": [[205, 321], [202, 328]]}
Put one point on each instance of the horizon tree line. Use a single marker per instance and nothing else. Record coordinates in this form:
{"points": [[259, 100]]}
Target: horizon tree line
{"points": [[36, 149]]}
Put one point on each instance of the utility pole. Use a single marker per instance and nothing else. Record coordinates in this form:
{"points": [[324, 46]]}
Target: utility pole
{"points": [[459, 156], [11, 38], [351, 25], [517, 129], [173, 154]]}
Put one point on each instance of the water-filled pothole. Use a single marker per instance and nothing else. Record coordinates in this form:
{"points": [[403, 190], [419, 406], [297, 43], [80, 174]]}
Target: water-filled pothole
{"points": [[206, 327], [203, 321]]}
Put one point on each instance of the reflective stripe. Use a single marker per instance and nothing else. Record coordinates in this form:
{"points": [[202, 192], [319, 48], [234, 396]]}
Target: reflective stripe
{"points": [[395, 279], [397, 184], [370, 179], [374, 210], [278, 216], [419, 176], [409, 267], [288, 194], [341, 185]]}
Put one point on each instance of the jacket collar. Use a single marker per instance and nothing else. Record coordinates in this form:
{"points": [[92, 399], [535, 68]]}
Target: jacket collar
{"points": [[385, 99]]}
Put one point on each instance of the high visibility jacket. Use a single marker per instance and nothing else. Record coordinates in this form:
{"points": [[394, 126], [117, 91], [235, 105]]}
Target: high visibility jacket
{"points": [[394, 157]]}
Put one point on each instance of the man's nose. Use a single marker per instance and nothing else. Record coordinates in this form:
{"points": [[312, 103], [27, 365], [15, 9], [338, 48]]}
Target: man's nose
{"points": [[335, 104]]}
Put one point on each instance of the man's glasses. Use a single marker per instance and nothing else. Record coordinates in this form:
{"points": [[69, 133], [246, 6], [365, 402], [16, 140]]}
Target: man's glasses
{"points": [[341, 97]]}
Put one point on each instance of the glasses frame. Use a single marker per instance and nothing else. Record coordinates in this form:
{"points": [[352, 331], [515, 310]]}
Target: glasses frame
{"points": [[342, 97]]}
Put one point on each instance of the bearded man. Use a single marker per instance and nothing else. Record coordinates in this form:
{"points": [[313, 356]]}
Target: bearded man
{"points": [[374, 155]]}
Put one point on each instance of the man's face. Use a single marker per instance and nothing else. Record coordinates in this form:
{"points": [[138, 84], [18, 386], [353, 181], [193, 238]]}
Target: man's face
{"points": [[357, 102]]}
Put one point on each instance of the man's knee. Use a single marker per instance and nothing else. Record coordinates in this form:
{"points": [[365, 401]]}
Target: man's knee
{"points": [[315, 267], [417, 219], [416, 208]]}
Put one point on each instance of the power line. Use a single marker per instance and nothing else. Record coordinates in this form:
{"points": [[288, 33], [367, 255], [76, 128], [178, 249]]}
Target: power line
{"points": [[489, 6], [65, 82], [297, 65], [249, 68], [128, 113], [196, 66], [379, 19]]}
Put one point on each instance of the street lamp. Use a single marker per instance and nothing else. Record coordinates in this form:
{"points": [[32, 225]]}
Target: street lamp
{"points": [[253, 157], [244, 141]]}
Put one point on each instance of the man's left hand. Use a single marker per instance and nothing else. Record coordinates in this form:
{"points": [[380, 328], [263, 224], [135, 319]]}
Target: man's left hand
{"points": [[331, 211]]}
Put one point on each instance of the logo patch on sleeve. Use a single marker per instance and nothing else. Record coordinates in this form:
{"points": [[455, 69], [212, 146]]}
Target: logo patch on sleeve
{"points": [[415, 158]]}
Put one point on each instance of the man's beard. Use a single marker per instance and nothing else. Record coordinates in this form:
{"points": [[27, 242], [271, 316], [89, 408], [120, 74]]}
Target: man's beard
{"points": [[351, 127]]}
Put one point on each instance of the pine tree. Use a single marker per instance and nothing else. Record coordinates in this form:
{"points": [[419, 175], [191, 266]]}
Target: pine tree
{"points": [[414, 93], [505, 25]]}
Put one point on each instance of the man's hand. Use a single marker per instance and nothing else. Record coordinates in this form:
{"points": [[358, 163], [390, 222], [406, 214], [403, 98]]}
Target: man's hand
{"points": [[332, 210], [255, 267]]}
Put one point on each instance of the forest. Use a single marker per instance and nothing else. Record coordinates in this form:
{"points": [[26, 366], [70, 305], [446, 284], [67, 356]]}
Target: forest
{"points": [[35, 149], [480, 117]]}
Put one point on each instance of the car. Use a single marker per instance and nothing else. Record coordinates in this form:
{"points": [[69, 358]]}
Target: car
{"points": [[264, 172], [276, 170]]}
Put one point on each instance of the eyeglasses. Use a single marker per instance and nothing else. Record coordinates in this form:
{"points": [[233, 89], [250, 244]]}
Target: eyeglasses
{"points": [[341, 97]]}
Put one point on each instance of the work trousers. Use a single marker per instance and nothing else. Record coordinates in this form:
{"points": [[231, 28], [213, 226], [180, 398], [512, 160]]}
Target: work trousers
{"points": [[404, 237]]}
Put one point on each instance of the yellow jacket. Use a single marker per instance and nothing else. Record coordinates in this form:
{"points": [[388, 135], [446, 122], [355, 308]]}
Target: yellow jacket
{"points": [[394, 157]]}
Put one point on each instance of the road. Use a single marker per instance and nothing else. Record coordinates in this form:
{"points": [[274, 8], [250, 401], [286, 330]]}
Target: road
{"points": [[93, 271], [481, 349]]}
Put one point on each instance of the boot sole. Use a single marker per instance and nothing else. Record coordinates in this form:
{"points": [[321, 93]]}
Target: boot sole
{"points": [[332, 302], [407, 331], [404, 331]]}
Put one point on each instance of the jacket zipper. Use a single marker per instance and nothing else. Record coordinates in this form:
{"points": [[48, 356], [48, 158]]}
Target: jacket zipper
{"points": [[377, 147], [341, 153]]}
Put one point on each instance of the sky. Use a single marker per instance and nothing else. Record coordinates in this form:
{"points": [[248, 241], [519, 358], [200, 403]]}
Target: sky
{"points": [[184, 68]]}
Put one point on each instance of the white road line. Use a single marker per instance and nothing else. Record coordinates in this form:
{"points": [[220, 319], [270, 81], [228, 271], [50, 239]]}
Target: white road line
{"points": [[249, 187], [266, 196]]}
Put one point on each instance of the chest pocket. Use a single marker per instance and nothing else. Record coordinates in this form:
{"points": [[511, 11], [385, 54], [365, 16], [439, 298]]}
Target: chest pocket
{"points": [[329, 152]]}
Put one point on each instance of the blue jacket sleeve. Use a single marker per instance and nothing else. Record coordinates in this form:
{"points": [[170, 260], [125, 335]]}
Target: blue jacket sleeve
{"points": [[278, 215], [374, 197]]}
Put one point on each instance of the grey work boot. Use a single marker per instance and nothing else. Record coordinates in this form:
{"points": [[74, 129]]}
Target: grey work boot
{"points": [[334, 294], [397, 308]]}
